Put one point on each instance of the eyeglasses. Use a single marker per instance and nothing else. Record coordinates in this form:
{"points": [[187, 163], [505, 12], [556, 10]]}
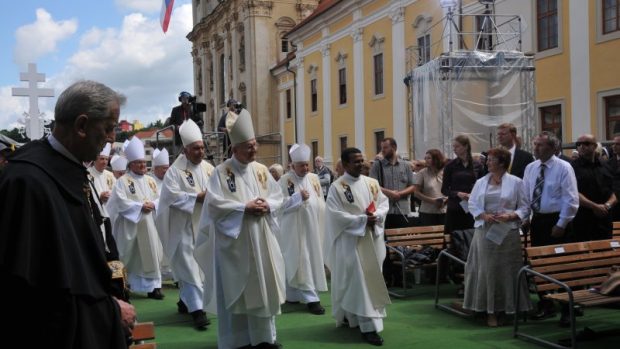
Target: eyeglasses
{"points": [[616, 143], [584, 143]]}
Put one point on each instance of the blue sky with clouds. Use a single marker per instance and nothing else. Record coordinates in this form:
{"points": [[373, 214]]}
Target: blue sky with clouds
{"points": [[117, 42]]}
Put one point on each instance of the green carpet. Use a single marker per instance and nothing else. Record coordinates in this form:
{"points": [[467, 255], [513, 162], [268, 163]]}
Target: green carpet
{"points": [[411, 323]]}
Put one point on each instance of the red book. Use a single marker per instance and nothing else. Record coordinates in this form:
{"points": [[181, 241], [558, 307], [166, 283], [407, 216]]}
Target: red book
{"points": [[371, 208]]}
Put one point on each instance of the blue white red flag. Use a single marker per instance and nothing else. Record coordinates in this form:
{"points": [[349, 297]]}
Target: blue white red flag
{"points": [[166, 13]]}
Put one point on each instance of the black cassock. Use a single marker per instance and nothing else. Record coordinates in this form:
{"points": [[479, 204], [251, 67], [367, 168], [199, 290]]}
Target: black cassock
{"points": [[56, 284]]}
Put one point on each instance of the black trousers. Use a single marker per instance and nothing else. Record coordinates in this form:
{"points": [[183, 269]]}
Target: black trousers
{"points": [[540, 230]]}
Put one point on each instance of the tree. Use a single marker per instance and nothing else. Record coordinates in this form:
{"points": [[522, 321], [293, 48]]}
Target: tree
{"points": [[15, 135]]}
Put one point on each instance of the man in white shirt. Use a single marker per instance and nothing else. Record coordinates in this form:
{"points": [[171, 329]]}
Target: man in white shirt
{"points": [[355, 249], [249, 268], [301, 238], [551, 189], [182, 197]]}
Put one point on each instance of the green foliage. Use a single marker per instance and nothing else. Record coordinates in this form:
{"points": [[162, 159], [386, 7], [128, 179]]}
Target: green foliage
{"points": [[15, 135]]}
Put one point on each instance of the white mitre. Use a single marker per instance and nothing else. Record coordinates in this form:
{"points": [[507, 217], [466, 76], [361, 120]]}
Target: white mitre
{"points": [[106, 150], [190, 132], [135, 150], [300, 153], [240, 128], [118, 163], [161, 158]]}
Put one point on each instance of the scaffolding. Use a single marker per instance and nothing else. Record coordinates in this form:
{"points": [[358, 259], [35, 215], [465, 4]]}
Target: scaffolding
{"points": [[478, 80]]}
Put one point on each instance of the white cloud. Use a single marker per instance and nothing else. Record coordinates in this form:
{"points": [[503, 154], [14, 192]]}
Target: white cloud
{"points": [[41, 37], [137, 59], [147, 6]]}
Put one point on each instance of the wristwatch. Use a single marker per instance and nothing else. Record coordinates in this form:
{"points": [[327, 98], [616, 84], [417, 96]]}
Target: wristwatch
{"points": [[607, 206]]}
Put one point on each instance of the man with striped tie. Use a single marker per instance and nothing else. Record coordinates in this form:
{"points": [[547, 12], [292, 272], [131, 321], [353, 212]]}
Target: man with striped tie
{"points": [[552, 190]]}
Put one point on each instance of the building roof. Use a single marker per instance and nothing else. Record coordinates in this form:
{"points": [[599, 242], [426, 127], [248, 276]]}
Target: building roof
{"points": [[324, 5], [151, 136]]}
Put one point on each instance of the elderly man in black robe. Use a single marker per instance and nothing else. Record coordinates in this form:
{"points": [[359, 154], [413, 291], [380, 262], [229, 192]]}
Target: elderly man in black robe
{"points": [[52, 253]]}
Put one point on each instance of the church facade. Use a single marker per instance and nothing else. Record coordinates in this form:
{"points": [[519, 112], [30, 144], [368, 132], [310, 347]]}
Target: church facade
{"points": [[235, 42], [330, 73]]}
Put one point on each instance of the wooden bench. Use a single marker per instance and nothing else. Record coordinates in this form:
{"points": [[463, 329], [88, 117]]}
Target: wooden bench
{"points": [[570, 270], [413, 238], [616, 231], [142, 332]]}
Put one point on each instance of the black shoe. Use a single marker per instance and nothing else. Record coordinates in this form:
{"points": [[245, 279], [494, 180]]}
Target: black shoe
{"points": [[200, 319], [544, 314], [156, 294], [181, 307], [316, 308], [373, 338], [265, 345]]}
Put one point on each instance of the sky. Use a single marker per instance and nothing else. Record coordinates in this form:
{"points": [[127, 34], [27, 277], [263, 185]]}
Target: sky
{"points": [[117, 42]]}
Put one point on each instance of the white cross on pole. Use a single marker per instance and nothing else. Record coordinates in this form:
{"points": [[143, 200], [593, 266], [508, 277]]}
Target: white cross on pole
{"points": [[34, 127]]}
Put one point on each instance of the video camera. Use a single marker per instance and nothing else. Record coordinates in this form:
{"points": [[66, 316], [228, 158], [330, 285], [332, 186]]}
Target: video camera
{"points": [[196, 107]]}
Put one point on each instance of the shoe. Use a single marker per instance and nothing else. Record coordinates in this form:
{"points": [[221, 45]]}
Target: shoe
{"points": [[200, 319], [492, 320], [265, 345], [292, 302], [316, 308], [372, 338], [156, 294], [544, 314], [181, 307]]}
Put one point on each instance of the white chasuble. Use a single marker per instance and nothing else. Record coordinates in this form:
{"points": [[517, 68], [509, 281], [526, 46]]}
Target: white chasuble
{"points": [[354, 252], [135, 233], [247, 253], [179, 215], [301, 232]]}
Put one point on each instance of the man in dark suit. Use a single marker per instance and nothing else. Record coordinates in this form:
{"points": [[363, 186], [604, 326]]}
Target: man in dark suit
{"points": [[614, 165], [181, 113], [506, 137]]}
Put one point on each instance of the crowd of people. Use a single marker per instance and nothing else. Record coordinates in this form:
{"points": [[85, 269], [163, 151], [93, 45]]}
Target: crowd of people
{"points": [[241, 239]]}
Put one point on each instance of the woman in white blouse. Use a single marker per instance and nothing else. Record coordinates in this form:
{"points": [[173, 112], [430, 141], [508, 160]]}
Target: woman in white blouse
{"points": [[498, 203]]}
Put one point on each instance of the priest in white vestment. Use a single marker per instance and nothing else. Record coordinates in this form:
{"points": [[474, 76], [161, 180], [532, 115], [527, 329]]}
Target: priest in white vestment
{"points": [[161, 163], [355, 249], [119, 165], [131, 206], [301, 236], [249, 268], [103, 179], [180, 206]]}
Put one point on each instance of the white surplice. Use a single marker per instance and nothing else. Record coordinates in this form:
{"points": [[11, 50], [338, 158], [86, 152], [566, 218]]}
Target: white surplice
{"points": [[302, 227], [177, 223], [135, 233], [104, 182], [249, 268], [354, 252]]}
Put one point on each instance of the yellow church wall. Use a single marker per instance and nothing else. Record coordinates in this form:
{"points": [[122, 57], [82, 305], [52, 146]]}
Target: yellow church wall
{"points": [[604, 58], [342, 115], [421, 8], [377, 109], [373, 7], [314, 119], [312, 39], [341, 24]]}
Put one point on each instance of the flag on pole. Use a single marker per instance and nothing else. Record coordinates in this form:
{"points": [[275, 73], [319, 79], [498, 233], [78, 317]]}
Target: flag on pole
{"points": [[166, 13]]}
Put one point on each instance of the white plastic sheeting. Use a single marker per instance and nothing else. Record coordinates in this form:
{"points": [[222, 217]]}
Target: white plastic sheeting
{"points": [[472, 93]]}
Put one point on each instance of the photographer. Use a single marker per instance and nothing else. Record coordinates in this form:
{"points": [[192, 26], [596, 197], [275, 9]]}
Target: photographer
{"points": [[235, 107], [180, 113]]}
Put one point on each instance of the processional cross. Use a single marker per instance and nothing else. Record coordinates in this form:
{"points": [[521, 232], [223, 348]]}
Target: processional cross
{"points": [[34, 122]]}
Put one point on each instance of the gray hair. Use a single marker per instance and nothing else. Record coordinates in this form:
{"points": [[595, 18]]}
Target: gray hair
{"points": [[278, 168], [86, 97], [552, 139]]}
